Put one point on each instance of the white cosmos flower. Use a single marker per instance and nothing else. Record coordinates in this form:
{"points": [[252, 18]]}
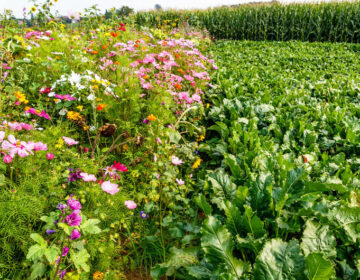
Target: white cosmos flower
{"points": [[91, 97]]}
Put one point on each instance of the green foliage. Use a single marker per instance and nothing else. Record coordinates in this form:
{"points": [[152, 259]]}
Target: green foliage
{"points": [[279, 260], [319, 268], [334, 22]]}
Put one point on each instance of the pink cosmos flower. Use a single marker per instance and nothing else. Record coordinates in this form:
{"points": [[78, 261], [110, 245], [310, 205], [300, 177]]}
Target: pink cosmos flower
{"points": [[180, 182], [7, 159], [176, 161], [39, 146], [109, 187], [2, 136], [14, 147], [88, 177], [158, 140], [130, 204], [50, 156], [111, 171], [69, 141], [155, 158]]}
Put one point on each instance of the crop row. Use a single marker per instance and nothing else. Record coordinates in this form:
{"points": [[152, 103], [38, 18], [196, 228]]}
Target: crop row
{"points": [[333, 22]]}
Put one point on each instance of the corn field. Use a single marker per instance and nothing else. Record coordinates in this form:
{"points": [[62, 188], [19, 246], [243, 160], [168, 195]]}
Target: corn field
{"points": [[331, 22]]}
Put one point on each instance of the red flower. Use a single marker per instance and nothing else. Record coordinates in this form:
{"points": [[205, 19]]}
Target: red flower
{"points": [[305, 159]]}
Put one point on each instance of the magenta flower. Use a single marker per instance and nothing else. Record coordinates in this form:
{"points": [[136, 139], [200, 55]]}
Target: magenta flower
{"points": [[7, 159], [110, 188], [74, 204], [62, 274], [75, 234], [176, 161], [130, 204], [73, 219], [119, 167], [69, 141], [65, 251], [50, 156]]}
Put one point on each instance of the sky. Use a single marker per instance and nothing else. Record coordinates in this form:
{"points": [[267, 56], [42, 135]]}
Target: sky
{"points": [[63, 6]]}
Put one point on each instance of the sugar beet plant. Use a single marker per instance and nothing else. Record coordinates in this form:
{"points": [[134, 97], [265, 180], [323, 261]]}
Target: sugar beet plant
{"points": [[281, 193]]}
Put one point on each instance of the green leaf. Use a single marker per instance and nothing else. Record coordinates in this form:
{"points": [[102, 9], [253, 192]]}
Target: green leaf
{"points": [[233, 218], [279, 260], [319, 268], [199, 272], [90, 226], [223, 187], [80, 260], [348, 219], [35, 252], [259, 195], [65, 227], [200, 201], [38, 239], [37, 270], [318, 238], [252, 223], [52, 253], [218, 245], [231, 161]]}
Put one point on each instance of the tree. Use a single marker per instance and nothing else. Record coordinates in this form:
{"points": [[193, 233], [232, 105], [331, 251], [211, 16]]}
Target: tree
{"points": [[157, 7]]}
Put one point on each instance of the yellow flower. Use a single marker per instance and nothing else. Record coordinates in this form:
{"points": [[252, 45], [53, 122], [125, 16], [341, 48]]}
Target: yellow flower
{"points": [[33, 9], [80, 108], [207, 106], [200, 138], [71, 115], [197, 163], [98, 275], [55, 1], [151, 117], [126, 147]]}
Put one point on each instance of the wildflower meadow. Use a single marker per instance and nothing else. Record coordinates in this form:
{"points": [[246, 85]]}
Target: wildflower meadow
{"points": [[135, 146]]}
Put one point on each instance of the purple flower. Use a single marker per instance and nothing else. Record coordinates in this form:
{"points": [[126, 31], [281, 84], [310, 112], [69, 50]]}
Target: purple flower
{"points": [[75, 234], [74, 204], [62, 274], [143, 215], [74, 175], [50, 231], [65, 251], [146, 121], [61, 206], [73, 219], [57, 261]]}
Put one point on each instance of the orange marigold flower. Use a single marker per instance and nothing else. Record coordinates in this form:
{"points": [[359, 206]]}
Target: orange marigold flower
{"points": [[94, 52], [104, 47], [113, 34], [98, 275], [101, 107], [151, 117], [177, 86]]}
